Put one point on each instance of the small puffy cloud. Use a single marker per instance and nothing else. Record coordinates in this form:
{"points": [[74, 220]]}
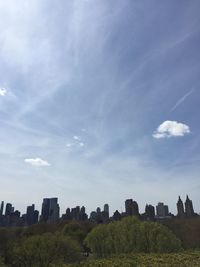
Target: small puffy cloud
{"points": [[171, 129], [69, 145], [37, 162], [81, 144], [75, 137], [3, 91]]}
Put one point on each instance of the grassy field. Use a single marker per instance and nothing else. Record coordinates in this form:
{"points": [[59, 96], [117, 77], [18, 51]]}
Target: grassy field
{"points": [[184, 259]]}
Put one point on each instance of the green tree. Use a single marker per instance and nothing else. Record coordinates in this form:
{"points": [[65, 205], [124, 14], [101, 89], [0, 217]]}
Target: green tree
{"points": [[131, 235], [45, 250]]}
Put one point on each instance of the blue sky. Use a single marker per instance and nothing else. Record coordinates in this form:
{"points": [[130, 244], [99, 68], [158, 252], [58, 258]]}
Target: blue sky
{"points": [[99, 102]]}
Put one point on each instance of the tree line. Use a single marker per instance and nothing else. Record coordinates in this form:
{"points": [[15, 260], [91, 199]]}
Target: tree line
{"points": [[50, 245]]}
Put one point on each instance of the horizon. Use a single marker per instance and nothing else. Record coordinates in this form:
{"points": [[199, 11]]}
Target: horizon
{"points": [[111, 210], [97, 106]]}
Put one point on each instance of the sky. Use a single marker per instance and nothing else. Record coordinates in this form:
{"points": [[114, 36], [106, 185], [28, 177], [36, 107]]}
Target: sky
{"points": [[99, 102]]}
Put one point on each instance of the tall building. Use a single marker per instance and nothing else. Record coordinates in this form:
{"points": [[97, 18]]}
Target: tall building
{"points": [[180, 208], [135, 208], [189, 211], [162, 210], [106, 209], [105, 213], [150, 212], [50, 210], [36, 216], [116, 216], [2, 206], [131, 207], [30, 214], [9, 209], [83, 216]]}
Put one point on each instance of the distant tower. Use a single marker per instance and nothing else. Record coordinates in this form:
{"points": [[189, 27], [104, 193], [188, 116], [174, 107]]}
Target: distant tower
{"points": [[50, 210], [150, 212], [106, 210], [131, 207], [189, 211], [135, 208], [162, 210], [180, 208], [128, 207], [2, 206], [30, 214], [98, 210], [9, 209]]}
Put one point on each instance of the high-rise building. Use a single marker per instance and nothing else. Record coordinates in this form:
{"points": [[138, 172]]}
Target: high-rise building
{"points": [[30, 215], [36, 216], [50, 210], [106, 209], [162, 210], [189, 211], [105, 213], [150, 212], [9, 209], [180, 208], [135, 208], [98, 210], [2, 206], [83, 216], [116, 216], [131, 207]]}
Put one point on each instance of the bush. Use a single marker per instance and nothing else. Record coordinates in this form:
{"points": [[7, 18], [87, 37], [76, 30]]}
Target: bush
{"points": [[131, 235], [45, 250]]}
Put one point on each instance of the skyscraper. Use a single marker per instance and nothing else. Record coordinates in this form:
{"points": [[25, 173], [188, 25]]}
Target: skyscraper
{"points": [[131, 207], [150, 212], [162, 210], [9, 209], [189, 211], [2, 206], [50, 210], [180, 208], [30, 214]]}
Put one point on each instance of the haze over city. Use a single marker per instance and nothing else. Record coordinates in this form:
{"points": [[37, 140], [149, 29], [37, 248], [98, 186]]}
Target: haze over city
{"points": [[99, 102]]}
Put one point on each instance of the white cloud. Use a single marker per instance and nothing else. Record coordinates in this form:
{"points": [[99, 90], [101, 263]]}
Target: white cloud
{"points": [[81, 144], [3, 91], [76, 138], [69, 145], [37, 162], [170, 129]]}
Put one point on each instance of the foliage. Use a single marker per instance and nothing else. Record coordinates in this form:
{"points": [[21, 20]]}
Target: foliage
{"points": [[2, 263], [45, 250], [131, 235], [183, 259], [187, 230], [77, 230]]}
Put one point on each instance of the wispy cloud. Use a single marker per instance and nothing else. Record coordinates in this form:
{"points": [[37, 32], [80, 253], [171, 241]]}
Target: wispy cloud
{"points": [[81, 144], [181, 100], [69, 145], [3, 91], [77, 138], [37, 162], [171, 129]]}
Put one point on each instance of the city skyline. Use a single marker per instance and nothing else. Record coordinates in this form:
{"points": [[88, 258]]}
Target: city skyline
{"points": [[130, 206], [99, 102]]}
